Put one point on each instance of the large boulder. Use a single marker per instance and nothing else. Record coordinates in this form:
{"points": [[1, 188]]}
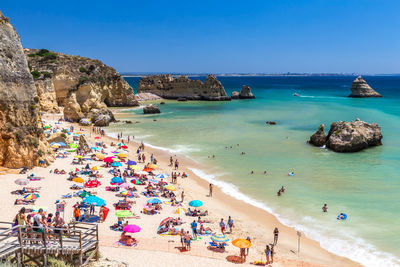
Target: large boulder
{"points": [[84, 143], [360, 88], [349, 136], [235, 95], [84, 122], [246, 93], [151, 109], [319, 137], [101, 117], [169, 87]]}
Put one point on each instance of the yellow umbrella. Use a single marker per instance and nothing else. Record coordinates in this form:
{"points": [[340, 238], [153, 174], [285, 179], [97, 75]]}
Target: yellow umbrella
{"points": [[115, 159], [95, 168], [78, 180], [79, 133], [241, 243], [135, 167], [100, 156], [152, 166], [78, 157], [170, 188], [55, 146], [180, 211], [121, 155]]}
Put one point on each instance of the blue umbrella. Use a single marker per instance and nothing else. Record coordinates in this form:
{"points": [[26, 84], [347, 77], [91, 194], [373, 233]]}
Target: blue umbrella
{"points": [[162, 175], [131, 162], [93, 200], [53, 143], [154, 201], [117, 180], [62, 144], [195, 203], [116, 164], [94, 148]]}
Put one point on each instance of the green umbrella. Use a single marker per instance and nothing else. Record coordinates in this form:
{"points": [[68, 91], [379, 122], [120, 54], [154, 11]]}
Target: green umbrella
{"points": [[84, 194], [72, 145], [123, 213]]}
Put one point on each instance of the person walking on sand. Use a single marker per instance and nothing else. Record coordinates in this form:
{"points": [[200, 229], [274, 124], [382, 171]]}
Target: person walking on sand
{"points": [[272, 254], [223, 226], [182, 196], [230, 224], [211, 190], [171, 161], [176, 164], [276, 234], [101, 214], [193, 225], [248, 238], [267, 252], [77, 213]]}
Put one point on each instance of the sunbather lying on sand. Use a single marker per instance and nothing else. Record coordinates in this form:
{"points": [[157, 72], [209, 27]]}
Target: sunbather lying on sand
{"points": [[127, 239], [24, 202]]}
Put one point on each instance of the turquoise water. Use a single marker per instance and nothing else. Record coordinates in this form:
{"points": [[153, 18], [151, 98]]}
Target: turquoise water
{"points": [[364, 185]]}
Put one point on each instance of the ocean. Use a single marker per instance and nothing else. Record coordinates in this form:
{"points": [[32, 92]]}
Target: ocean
{"points": [[364, 185]]}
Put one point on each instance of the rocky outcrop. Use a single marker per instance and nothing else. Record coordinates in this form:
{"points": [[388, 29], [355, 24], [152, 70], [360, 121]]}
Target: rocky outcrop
{"points": [[235, 95], [80, 81], [246, 93], [22, 141], [166, 86], [150, 109], [58, 137], [349, 136], [47, 95], [85, 122], [360, 88], [84, 143], [319, 137], [147, 97], [101, 117]]}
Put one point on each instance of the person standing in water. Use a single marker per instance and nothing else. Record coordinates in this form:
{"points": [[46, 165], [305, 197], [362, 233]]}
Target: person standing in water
{"points": [[325, 208]]}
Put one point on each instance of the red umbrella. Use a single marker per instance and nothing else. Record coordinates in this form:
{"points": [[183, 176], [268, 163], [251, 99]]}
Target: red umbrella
{"points": [[97, 137], [108, 160], [92, 184], [165, 221], [124, 147], [147, 170]]}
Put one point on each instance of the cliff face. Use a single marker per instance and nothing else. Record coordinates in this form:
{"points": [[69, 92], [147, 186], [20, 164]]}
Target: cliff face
{"points": [[360, 88], [166, 86], [22, 141], [80, 84]]}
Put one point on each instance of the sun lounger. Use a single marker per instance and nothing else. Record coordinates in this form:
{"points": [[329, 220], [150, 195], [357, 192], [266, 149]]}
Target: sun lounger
{"points": [[67, 196]]}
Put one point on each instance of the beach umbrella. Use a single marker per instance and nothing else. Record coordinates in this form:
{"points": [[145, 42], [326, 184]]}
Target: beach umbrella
{"points": [[142, 172], [96, 168], [127, 193], [116, 160], [100, 156], [72, 145], [117, 180], [78, 157], [22, 181], [79, 133], [124, 147], [94, 148], [84, 194], [131, 162], [124, 185], [162, 175], [122, 155], [93, 200], [220, 238], [135, 167], [55, 146], [31, 196], [165, 221], [170, 188], [62, 144], [195, 203], [108, 160], [78, 180], [46, 126], [97, 137], [147, 169], [123, 213], [116, 164], [134, 181], [180, 211], [152, 166], [131, 228], [153, 181], [92, 184], [154, 201], [241, 243], [121, 144]]}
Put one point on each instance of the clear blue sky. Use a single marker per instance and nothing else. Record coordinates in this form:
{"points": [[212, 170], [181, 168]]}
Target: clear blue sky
{"points": [[267, 36]]}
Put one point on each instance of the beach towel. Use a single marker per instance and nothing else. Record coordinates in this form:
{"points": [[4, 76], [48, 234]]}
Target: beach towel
{"points": [[92, 219]]}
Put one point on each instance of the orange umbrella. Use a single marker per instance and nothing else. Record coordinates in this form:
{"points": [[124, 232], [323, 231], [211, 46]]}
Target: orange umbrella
{"points": [[152, 166], [100, 156], [241, 243]]}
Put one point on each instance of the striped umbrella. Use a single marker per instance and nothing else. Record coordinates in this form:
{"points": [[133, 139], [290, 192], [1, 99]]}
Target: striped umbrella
{"points": [[220, 238], [31, 196]]}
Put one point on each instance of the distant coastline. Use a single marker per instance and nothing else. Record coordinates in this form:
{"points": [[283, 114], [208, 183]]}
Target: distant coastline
{"points": [[287, 74]]}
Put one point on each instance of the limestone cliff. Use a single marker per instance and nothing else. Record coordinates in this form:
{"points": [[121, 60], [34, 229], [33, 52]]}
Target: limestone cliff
{"points": [[360, 88], [80, 84], [166, 86], [22, 141]]}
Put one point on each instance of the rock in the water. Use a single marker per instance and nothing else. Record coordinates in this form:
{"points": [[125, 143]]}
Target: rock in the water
{"points": [[162, 103], [246, 93], [150, 109], [22, 141], [319, 137], [350, 136], [166, 86], [102, 117], [235, 95], [84, 143], [84, 122], [128, 122], [360, 88], [270, 122], [182, 99]]}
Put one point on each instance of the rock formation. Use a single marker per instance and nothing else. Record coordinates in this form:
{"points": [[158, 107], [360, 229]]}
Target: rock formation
{"points": [[22, 141], [80, 84], [360, 88], [166, 86], [319, 137], [147, 97], [150, 109], [349, 136], [246, 93], [235, 95], [84, 144]]}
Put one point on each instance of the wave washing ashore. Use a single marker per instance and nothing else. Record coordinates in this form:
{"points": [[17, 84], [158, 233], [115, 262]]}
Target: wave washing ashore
{"points": [[364, 185], [248, 220]]}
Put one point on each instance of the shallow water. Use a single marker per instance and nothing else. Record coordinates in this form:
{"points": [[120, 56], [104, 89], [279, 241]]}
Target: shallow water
{"points": [[364, 185]]}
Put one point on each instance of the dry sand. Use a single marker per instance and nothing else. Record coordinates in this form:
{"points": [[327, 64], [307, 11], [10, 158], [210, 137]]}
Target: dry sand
{"points": [[156, 250]]}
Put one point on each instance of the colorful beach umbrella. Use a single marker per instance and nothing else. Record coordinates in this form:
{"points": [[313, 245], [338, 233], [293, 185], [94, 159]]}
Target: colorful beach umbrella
{"points": [[78, 180], [131, 162], [134, 181], [22, 181], [72, 145], [116, 164], [152, 166], [169, 219], [123, 213], [100, 156], [92, 184], [170, 188], [241, 243], [84, 194], [124, 147], [108, 160], [122, 155], [162, 175], [31, 196], [97, 137], [195, 203], [128, 193], [94, 148], [46, 126], [147, 170], [220, 238], [116, 160], [180, 211], [93, 200], [131, 228], [135, 167], [78, 157], [117, 180], [154, 201]]}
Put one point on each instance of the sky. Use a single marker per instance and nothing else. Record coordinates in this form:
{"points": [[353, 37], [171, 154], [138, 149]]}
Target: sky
{"points": [[267, 36]]}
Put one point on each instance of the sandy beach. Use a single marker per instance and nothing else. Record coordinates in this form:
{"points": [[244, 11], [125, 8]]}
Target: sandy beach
{"points": [[154, 249]]}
